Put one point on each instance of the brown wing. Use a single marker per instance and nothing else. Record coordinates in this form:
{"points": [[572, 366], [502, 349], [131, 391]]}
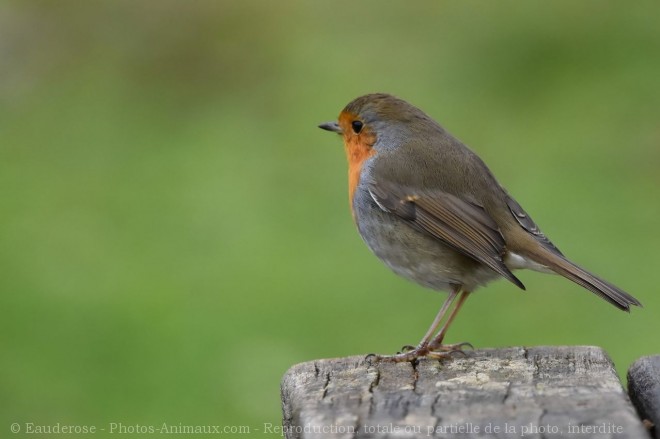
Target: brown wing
{"points": [[462, 225]]}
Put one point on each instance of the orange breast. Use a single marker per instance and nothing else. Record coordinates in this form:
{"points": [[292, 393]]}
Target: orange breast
{"points": [[358, 149]]}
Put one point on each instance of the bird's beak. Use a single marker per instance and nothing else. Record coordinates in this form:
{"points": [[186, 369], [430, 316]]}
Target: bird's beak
{"points": [[331, 126]]}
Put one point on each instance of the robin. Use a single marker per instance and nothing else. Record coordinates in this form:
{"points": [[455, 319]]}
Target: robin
{"points": [[433, 212]]}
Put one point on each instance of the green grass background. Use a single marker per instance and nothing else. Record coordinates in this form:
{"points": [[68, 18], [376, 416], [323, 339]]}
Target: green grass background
{"points": [[174, 229]]}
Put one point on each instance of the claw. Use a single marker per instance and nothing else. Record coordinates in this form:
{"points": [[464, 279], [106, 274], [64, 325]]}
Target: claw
{"points": [[407, 348], [438, 355], [370, 359], [450, 347], [458, 351], [467, 344]]}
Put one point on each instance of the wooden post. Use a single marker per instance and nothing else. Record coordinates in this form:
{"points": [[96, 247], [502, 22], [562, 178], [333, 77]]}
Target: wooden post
{"points": [[539, 392], [644, 389]]}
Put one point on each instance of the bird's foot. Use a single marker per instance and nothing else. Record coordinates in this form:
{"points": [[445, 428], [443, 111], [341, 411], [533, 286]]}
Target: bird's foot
{"points": [[410, 353], [456, 348]]}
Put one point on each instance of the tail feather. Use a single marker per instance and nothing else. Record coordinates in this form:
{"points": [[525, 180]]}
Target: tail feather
{"points": [[562, 266]]}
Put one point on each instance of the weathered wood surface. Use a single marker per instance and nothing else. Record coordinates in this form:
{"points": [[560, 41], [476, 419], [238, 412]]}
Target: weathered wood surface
{"points": [[644, 389], [540, 392]]}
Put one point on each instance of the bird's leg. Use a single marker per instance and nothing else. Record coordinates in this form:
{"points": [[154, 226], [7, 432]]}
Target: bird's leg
{"points": [[438, 318], [411, 353], [436, 346]]}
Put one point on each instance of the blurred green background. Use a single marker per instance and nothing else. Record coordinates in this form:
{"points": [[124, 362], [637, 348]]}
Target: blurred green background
{"points": [[174, 228]]}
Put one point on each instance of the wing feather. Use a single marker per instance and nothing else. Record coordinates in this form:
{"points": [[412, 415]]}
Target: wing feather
{"points": [[463, 225]]}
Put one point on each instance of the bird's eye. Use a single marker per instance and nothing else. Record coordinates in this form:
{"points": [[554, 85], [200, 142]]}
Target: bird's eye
{"points": [[357, 126]]}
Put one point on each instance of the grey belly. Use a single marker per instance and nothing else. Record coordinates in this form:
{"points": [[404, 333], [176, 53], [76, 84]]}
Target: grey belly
{"points": [[413, 254]]}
